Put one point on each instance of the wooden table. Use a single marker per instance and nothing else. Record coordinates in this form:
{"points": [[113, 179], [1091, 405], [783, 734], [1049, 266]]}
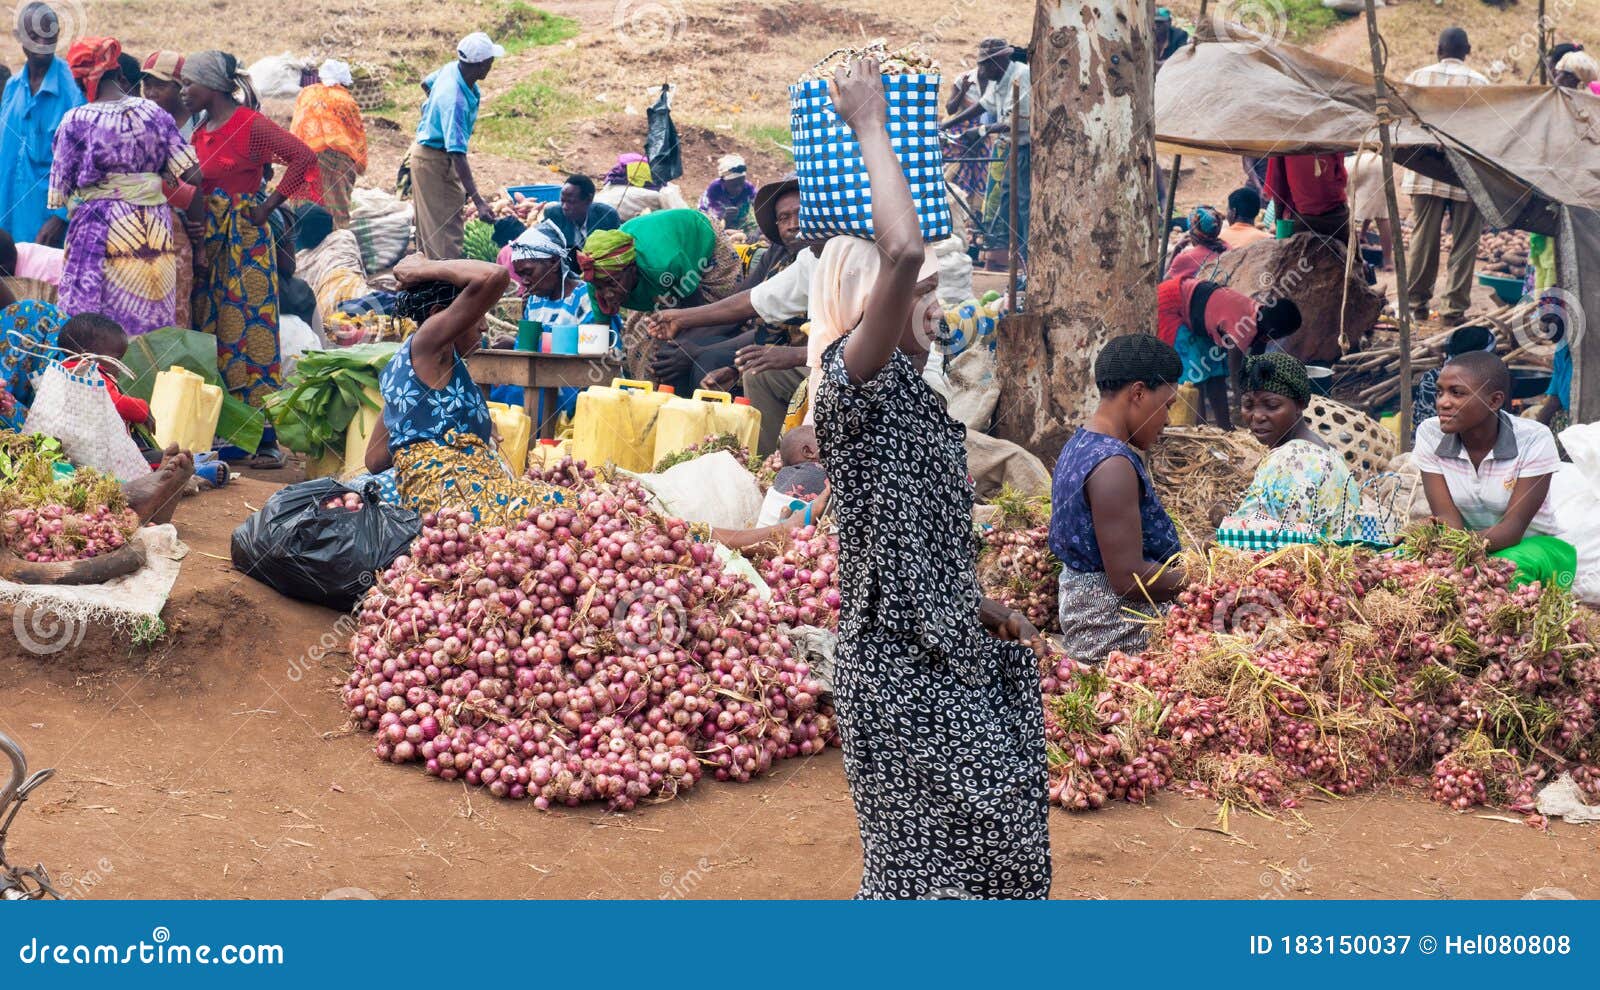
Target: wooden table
{"points": [[539, 375]]}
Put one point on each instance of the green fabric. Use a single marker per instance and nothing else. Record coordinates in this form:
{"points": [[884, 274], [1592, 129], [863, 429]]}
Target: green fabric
{"points": [[672, 247], [1542, 256], [1545, 559]]}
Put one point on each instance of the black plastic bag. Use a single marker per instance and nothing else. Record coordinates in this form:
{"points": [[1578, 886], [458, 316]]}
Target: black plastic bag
{"points": [[661, 141], [328, 556]]}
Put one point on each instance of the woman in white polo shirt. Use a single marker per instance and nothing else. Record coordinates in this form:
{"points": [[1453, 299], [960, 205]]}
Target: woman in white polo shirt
{"points": [[1486, 471]]}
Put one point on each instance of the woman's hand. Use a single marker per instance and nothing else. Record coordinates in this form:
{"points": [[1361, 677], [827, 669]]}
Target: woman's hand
{"points": [[411, 270], [261, 214], [756, 358], [858, 94], [664, 325], [720, 380], [52, 232]]}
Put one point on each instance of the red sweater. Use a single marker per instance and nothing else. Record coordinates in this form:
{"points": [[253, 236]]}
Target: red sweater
{"points": [[1306, 185]]}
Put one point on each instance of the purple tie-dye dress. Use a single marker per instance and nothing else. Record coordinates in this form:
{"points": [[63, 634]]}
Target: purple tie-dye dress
{"points": [[121, 260]]}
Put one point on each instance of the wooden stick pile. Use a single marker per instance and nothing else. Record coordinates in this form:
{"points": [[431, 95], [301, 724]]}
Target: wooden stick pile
{"points": [[1428, 352]]}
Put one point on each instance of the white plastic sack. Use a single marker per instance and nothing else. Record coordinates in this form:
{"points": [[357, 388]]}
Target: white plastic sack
{"points": [[955, 271], [1575, 497], [277, 76], [1561, 798], [971, 387], [75, 408], [714, 489], [295, 337]]}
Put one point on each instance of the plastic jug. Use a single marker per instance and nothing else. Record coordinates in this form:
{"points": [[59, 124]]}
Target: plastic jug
{"points": [[185, 409], [616, 424], [685, 423], [547, 453], [742, 420], [515, 429], [359, 433], [1186, 411]]}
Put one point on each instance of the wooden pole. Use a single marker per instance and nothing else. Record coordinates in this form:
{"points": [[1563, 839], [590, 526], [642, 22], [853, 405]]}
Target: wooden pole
{"points": [[1013, 248], [1544, 50], [1166, 215], [1401, 292]]}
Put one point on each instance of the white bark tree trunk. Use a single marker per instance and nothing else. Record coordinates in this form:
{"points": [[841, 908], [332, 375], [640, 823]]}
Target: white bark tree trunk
{"points": [[1094, 232]]}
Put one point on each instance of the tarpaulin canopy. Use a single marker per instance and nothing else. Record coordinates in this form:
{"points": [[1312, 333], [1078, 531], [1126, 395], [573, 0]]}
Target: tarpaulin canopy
{"points": [[1529, 156]]}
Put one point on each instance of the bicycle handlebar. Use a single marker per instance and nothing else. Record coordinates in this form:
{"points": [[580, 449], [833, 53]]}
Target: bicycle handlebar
{"points": [[19, 770]]}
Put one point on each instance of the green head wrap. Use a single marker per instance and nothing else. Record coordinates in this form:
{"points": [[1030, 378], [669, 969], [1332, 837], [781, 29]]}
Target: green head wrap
{"points": [[606, 252], [1280, 373]]}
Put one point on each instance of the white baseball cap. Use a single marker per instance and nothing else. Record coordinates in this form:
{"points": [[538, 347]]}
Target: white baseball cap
{"points": [[476, 47]]}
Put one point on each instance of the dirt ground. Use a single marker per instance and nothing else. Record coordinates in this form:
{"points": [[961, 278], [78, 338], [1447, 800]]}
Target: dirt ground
{"points": [[217, 765]]}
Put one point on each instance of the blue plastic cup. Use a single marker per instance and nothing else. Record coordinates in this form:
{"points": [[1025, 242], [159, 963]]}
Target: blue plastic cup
{"points": [[564, 339]]}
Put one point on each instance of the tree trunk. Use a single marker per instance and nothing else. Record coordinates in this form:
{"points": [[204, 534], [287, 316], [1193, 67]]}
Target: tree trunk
{"points": [[1094, 233]]}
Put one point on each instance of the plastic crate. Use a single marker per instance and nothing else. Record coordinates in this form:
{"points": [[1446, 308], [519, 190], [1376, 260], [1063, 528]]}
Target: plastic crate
{"points": [[539, 194]]}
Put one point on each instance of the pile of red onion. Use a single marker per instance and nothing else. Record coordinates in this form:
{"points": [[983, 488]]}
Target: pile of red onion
{"points": [[592, 652], [1017, 569], [804, 578], [1336, 670], [349, 501], [54, 533]]}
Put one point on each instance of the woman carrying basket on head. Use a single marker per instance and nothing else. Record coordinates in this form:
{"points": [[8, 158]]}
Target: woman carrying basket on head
{"points": [[942, 721]]}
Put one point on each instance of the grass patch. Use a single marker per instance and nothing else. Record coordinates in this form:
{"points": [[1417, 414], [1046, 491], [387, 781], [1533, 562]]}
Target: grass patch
{"points": [[525, 116], [774, 138], [1306, 19], [523, 26]]}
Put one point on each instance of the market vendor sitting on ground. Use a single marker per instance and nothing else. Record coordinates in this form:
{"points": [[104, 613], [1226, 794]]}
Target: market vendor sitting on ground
{"points": [[629, 188], [1107, 525], [768, 360], [1302, 485], [731, 196], [1229, 320], [1489, 472], [577, 215], [436, 431]]}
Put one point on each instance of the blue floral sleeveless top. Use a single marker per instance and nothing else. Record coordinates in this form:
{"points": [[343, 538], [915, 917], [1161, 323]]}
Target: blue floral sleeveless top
{"points": [[415, 412], [1072, 537]]}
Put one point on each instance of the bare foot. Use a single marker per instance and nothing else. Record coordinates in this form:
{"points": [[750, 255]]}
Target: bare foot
{"points": [[154, 496]]}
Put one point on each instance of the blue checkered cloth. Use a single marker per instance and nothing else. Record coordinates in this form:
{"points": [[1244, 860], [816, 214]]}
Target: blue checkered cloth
{"points": [[835, 197]]}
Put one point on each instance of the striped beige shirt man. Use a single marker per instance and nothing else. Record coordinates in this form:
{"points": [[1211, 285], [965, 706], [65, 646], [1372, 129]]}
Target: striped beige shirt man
{"points": [[1445, 72]]}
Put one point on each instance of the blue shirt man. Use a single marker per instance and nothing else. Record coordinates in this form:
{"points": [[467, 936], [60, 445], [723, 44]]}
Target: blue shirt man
{"points": [[29, 116]]}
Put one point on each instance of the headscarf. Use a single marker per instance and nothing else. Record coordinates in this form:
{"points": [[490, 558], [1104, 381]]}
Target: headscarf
{"points": [[90, 59], [840, 285], [631, 169], [1205, 228], [1581, 64], [1278, 373], [335, 73], [606, 252], [541, 242], [729, 165], [218, 71]]}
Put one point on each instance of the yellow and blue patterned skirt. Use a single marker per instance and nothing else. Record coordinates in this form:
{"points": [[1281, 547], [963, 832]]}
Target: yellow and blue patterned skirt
{"points": [[465, 473]]}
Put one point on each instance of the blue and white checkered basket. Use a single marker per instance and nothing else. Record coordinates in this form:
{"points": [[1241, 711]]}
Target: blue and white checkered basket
{"points": [[834, 194]]}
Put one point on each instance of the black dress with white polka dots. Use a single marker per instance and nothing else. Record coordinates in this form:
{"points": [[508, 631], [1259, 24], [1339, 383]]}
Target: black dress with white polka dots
{"points": [[942, 723]]}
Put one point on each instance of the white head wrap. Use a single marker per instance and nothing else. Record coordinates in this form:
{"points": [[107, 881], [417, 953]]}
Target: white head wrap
{"points": [[335, 73]]}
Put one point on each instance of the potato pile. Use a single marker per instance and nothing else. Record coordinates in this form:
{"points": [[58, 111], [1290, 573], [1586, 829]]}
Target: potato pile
{"points": [[1503, 253]]}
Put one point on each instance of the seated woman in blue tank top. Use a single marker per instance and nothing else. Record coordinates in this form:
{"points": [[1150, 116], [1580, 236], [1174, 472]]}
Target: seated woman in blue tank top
{"points": [[436, 430], [1107, 525]]}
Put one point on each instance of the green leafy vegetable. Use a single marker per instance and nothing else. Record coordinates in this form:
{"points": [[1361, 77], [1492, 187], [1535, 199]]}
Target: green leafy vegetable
{"points": [[159, 350], [313, 411]]}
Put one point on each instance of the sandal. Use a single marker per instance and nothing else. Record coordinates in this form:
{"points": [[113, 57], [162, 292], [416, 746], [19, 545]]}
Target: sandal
{"points": [[269, 459]]}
